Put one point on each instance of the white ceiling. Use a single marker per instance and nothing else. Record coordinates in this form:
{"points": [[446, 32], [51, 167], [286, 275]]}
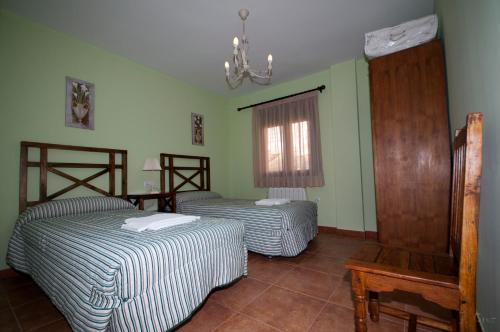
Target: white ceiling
{"points": [[191, 39]]}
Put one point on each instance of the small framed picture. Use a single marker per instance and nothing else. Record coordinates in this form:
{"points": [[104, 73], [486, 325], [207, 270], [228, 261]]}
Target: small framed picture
{"points": [[197, 125], [80, 98]]}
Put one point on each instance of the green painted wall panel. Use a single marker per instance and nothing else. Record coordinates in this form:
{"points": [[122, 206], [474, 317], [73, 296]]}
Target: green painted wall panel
{"points": [[365, 144], [347, 163], [470, 31]]}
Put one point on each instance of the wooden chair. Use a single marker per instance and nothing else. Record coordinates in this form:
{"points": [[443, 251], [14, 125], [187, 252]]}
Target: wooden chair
{"points": [[448, 280]]}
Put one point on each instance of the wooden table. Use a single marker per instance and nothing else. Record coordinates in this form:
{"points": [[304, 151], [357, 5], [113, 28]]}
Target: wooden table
{"points": [[164, 200]]}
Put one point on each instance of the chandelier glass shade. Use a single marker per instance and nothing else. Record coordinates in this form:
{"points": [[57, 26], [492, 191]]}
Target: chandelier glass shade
{"points": [[241, 65]]}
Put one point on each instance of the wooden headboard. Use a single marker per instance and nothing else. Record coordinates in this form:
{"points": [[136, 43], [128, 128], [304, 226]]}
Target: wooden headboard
{"points": [[45, 166], [173, 167]]}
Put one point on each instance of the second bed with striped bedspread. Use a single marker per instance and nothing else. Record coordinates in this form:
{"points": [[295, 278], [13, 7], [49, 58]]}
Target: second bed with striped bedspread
{"points": [[282, 230]]}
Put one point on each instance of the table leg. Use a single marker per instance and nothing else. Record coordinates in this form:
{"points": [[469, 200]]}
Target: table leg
{"points": [[373, 306], [358, 288], [141, 203]]}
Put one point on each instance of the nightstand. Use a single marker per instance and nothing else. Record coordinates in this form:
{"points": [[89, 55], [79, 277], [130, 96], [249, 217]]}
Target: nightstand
{"points": [[164, 200]]}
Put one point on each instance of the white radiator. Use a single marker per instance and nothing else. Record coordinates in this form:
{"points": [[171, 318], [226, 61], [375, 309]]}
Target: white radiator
{"points": [[295, 194]]}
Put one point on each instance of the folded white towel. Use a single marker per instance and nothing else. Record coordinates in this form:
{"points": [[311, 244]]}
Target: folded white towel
{"points": [[154, 217], [272, 201], [157, 221], [172, 222]]}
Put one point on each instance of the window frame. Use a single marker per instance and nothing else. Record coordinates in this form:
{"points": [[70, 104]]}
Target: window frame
{"points": [[287, 138]]}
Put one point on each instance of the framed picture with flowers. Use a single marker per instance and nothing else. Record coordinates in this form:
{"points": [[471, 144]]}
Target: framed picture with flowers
{"points": [[197, 129], [80, 97]]}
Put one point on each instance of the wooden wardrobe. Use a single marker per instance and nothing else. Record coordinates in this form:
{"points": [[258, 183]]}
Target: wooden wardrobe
{"points": [[411, 148]]}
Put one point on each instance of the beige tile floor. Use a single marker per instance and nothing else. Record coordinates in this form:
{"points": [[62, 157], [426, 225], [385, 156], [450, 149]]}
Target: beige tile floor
{"points": [[310, 292]]}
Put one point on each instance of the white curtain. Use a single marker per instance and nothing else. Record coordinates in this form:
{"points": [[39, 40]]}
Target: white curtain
{"points": [[286, 143]]}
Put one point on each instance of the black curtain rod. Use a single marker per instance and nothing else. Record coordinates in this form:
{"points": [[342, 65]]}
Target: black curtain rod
{"points": [[319, 88]]}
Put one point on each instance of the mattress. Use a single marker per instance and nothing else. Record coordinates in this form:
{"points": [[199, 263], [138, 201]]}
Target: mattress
{"points": [[104, 278], [282, 230]]}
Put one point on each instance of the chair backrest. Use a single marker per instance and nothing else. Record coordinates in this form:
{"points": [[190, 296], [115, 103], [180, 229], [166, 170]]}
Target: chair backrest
{"points": [[295, 194], [467, 160]]}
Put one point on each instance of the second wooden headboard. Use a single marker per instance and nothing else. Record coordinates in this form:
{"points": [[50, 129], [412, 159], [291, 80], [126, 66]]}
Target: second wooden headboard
{"points": [[173, 166]]}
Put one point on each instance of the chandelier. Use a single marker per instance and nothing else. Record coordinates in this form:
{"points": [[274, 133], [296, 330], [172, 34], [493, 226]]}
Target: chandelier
{"points": [[241, 64]]}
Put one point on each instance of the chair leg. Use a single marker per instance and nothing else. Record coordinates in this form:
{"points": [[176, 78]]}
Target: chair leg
{"points": [[358, 288], [467, 316], [373, 306]]}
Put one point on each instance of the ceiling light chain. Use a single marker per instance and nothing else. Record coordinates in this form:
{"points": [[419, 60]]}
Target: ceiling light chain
{"points": [[241, 64]]}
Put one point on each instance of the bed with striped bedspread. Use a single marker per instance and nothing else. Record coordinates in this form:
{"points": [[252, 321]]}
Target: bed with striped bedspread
{"points": [[104, 278], [282, 230]]}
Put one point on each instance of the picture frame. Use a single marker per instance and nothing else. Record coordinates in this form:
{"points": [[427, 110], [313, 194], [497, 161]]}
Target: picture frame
{"points": [[80, 104], [197, 129]]}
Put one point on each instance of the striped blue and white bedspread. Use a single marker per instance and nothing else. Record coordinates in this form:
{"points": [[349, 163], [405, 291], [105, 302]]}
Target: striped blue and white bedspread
{"points": [[104, 278], [281, 230]]}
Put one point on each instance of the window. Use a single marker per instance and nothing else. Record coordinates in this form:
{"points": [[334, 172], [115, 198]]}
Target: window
{"points": [[300, 146], [298, 139], [287, 149], [274, 149]]}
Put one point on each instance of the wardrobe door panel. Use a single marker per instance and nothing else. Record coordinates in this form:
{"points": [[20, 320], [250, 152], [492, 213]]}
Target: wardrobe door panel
{"points": [[411, 147]]}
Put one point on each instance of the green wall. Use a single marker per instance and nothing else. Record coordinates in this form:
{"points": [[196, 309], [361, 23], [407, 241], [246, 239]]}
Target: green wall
{"points": [[470, 30], [137, 108], [341, 199], [146, 112]]}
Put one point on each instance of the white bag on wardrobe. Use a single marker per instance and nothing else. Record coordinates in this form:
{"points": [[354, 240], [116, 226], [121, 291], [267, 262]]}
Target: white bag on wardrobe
{"points": [[403, 36]]}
